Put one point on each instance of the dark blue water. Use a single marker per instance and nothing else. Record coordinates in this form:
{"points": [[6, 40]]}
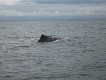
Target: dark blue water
{"points": [[79, 54]]}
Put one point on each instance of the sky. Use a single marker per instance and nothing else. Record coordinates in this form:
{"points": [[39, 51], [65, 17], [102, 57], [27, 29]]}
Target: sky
{"points": [[53, 8]]}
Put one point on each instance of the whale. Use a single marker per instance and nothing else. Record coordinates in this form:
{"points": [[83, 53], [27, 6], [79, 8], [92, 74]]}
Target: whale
{"points": [[44, 38]]}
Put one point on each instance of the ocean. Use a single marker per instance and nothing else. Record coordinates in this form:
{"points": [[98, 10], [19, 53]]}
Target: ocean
{"points": [[79, 54]]}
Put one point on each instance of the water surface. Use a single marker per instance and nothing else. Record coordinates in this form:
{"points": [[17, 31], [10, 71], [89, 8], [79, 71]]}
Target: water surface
{"points": [[80, 54]]}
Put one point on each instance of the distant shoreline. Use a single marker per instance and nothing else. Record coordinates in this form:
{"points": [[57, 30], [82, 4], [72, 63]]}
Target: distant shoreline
{"points": [[50, 18]]}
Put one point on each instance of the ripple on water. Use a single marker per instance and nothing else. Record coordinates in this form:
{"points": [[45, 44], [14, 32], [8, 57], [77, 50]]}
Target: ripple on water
{"points": [[78, 55]]}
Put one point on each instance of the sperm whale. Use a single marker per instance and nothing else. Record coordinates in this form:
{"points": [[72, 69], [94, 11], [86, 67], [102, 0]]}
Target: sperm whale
{"points": [[45, 38]]}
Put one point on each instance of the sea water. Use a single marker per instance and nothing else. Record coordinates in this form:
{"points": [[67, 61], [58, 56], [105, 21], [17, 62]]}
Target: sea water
{"points": [[79, 54]]}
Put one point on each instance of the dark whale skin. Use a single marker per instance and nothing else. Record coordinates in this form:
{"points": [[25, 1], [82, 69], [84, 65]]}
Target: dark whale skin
{"points": [[45, 38]]}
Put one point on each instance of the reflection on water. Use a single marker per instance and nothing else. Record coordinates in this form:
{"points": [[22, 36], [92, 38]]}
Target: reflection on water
{"points": [[80, 54]]}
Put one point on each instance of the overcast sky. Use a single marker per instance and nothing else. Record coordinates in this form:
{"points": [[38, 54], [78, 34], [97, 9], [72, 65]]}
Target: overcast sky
{"points": [[53, 8]]}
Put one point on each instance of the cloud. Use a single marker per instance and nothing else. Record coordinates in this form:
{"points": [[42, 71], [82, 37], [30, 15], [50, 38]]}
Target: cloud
{"points": [[31, 9], [55, 1], [8, 2], [70, 1]]}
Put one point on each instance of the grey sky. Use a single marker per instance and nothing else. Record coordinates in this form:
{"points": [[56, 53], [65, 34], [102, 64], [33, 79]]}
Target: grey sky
{"points": [[53, 8], [70, 1]]}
